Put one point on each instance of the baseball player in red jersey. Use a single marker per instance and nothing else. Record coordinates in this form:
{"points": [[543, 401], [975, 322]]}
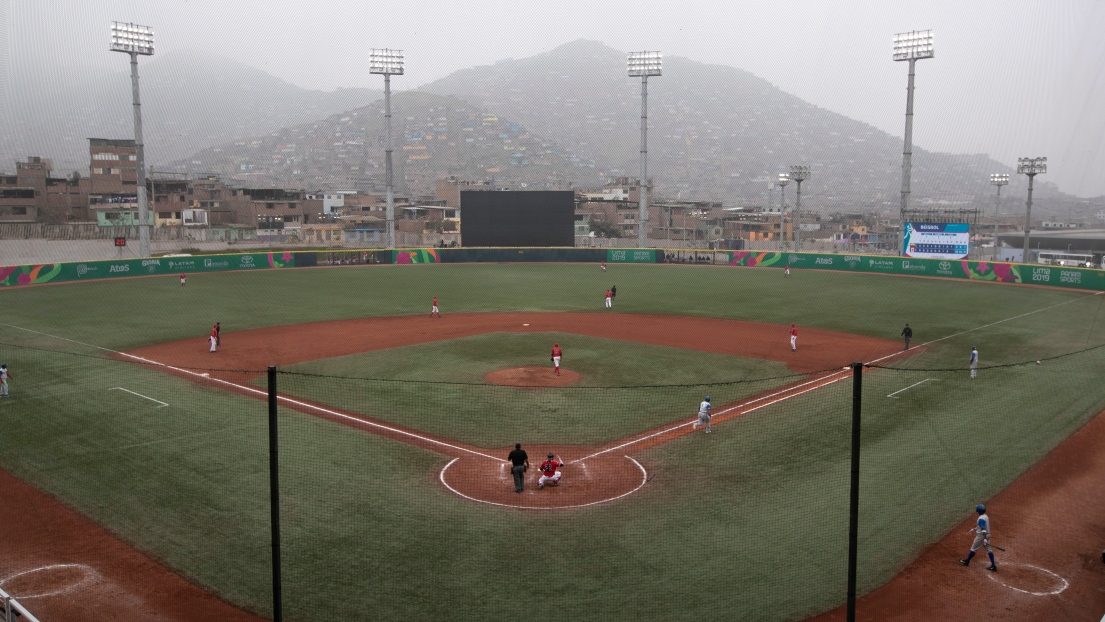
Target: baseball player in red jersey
{"points": [[182, 278], [214, 337], [434, 309], [556, 354], [549, 473], [793, 337], [609, 299]]}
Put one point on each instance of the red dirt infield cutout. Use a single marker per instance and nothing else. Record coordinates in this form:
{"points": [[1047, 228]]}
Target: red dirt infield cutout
{"points": [[536, 377], [1064, 486]]}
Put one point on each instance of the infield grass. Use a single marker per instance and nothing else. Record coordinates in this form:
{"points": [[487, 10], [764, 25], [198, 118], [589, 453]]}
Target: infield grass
{"points": [[747, 523]]}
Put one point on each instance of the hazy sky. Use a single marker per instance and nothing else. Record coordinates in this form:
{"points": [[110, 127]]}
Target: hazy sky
{"points": [[1011, 79]]}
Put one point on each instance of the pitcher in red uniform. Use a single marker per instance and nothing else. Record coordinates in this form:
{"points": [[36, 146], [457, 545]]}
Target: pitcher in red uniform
{"points": [[556, 354]]}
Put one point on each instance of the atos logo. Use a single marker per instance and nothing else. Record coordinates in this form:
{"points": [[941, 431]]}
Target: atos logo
{"points": [[119, 269], [824, 261]]}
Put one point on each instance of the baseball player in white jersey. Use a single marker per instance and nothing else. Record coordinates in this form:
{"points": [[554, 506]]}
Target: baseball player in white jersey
{"points": [[974, 362], [4, 375], [703, 415], [982, 538]]}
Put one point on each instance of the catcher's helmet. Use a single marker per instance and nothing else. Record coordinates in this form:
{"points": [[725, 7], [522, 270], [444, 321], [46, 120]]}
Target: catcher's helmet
{"points": [[981, 509], [707, 398]]}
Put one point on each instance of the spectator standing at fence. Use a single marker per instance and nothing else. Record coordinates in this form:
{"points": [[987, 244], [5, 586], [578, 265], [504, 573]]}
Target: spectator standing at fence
{"points": [[519, 464], [214, 337], [4, 376], [183, 277], [907, 332], [974, 362]]}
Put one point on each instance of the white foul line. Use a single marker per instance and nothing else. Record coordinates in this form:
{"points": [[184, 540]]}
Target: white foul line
{"points": [[1009, 319], [891, 396], [163, 404], [305, 405]]}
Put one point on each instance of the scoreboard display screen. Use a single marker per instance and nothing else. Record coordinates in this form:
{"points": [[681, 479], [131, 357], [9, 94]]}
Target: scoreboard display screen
{"points": [[929, 240], [517, 218]]}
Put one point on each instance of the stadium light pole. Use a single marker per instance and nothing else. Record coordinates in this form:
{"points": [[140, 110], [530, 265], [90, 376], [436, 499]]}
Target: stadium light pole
{"points": [[644, 64], [799, 174], [387, 63], [999, 180], [910, 46], [136, 41], [784, 179], [1031, 167]]}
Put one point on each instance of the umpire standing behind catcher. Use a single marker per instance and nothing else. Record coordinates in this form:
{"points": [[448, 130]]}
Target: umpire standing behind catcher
{"points": [[519, 463]]}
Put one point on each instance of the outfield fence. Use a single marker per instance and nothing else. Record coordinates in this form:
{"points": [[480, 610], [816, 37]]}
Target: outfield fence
{"points": [[359, 487]]}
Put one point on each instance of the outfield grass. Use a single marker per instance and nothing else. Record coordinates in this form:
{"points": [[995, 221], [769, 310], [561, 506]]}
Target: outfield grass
{"points": [[747, 523]]}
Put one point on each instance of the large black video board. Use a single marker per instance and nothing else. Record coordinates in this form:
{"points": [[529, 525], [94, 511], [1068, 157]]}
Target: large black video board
{"points": [[517, 218]]}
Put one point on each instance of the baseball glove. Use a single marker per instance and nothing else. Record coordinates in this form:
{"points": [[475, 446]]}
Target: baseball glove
{"points": [[551, 359]]}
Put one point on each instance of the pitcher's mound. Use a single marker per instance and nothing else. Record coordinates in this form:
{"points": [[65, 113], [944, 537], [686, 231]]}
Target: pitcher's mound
{"points": [[532, 377]]}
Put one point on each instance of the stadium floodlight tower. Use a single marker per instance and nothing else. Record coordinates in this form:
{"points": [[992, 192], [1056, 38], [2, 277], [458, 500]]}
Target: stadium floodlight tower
{"points": [[136, 40], [644, 64], [1031, 167], [999, 180], [784, 179], [910, 46], [387, 63], [799, 174]]}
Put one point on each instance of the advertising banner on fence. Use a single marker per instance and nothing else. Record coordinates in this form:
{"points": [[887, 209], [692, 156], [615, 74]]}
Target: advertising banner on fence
{"points": [[36, 274], [630, 255], [931, 240], [1058, 276]]}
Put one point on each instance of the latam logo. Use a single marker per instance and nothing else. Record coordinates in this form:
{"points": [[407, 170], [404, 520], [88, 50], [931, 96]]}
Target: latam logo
{"points": [[123, 268], [880, 264], [824, 261]]}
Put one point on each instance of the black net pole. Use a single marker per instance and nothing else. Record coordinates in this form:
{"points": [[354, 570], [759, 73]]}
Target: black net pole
{"points": [[853, 502], [274, 499]]}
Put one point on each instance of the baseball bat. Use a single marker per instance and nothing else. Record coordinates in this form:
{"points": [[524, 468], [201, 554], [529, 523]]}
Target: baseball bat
{"points": [[998, 548]]}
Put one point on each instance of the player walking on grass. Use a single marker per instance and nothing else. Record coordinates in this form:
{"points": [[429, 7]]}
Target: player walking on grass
{"points": [[434, 309], [519, 463], [974, 362], [555, 358], [4, 376], [982, 538], [214, 337], [609, 299], [793, 337], [703, 415], [549, 473], [907, 333]]}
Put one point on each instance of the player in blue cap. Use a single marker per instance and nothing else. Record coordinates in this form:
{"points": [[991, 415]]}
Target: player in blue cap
{"points": [[982, 538], [703, 415]]}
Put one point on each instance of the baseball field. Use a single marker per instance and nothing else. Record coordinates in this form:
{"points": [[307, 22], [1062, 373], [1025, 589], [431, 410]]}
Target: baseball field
{"points": [[396, 501]]}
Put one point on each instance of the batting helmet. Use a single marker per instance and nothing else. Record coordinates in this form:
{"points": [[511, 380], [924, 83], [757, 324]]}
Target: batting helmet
{"points": [[707, 398], [981, 509], [550, 456]]}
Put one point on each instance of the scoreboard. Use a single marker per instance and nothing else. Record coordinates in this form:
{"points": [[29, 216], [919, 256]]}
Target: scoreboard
{"points": [[929, 240]]}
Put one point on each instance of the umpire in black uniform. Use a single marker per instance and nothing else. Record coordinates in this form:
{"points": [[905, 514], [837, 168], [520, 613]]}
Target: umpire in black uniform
{"points": [[519, 462], [907, 332]]}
